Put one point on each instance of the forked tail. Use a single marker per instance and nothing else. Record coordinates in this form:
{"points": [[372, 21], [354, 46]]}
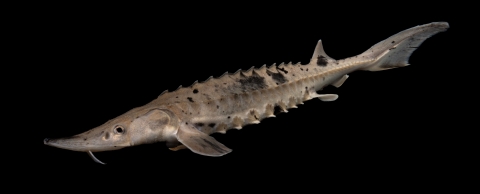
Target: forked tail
{"points": [[396, 50]]}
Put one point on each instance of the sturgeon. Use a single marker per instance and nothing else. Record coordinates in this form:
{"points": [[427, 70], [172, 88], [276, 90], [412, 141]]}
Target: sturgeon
{"points": [[186, 117]]}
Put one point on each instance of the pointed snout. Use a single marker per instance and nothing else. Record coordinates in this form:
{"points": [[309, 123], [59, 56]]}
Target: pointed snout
{"points": [[73, 143], [83, 143]]}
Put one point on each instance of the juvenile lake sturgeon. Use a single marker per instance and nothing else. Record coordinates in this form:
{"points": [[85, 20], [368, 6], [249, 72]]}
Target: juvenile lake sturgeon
{"points": [[186, 117]]}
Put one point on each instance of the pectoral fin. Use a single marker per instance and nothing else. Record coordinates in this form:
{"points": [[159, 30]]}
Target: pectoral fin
{"points": [[200, 142]]}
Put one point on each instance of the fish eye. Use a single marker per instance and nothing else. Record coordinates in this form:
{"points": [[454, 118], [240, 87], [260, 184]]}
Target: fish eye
{"points": [[119, 130]]}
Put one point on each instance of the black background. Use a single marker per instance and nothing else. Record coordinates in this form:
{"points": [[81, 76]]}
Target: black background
{"points": [[95, 62]]}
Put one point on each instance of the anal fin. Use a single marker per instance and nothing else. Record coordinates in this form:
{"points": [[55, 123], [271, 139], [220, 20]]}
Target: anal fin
{"points": [[327, 97], [339, 82], [199, 142]]}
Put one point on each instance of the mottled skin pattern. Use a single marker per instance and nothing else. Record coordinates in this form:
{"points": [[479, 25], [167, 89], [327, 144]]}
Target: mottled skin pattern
{"points": [[189, 115], [246, 97]]}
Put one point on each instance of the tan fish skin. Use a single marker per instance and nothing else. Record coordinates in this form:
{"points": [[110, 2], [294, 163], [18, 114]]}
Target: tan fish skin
{"points": [[186, 117]]}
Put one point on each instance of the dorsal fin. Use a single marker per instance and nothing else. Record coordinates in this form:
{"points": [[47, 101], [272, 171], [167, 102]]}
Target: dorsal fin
{"points": [[319, 52]]}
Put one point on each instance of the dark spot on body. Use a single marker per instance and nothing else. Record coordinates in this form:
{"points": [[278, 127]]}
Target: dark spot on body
{"points": [[278, 77], [253, 82], [199, 124], [236, 97], [293, 74], [252, 112], [282, 70], [301, 69], [195, 91], [211, 125], [85, 139], [176, 97], [228, 117], [218, 107], [393, 42], [107, 135], [322, 61], [306, 69], [190, 99]]}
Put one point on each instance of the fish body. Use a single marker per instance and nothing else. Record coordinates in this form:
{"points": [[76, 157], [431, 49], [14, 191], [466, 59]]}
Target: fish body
{"points": [[186, 117]]}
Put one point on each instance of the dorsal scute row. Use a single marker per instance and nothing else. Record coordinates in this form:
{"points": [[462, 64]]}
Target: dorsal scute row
{"points": [[239, 73]]}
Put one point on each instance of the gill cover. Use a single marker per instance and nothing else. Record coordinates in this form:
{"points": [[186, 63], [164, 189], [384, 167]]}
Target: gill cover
{"points": [[154, 126]]}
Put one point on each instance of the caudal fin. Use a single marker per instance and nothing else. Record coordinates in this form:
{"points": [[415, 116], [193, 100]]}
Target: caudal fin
{"points": [[396, 50]]}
